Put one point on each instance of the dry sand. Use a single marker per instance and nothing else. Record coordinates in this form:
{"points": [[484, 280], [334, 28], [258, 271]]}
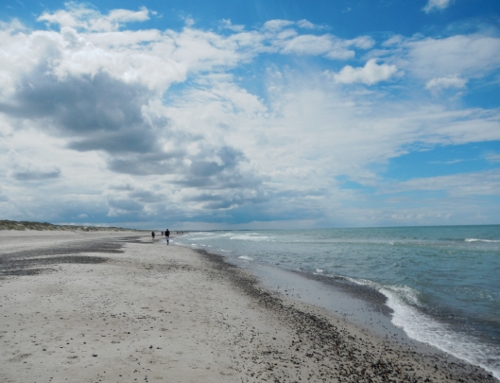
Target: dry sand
{"points": [[115, 307]]}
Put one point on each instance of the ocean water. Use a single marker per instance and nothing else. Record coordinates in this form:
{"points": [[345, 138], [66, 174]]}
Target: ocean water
{"points": [[442, 283]]}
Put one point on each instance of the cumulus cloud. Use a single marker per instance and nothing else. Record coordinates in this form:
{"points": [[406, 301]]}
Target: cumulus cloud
{"points": [[120, 206], [466, 56], [148, 163], [80, 16], [146, 196], [122, 184], [326, 45], [305, 24], [370, 74], [198, 123], [221, 172], [441, 83], [120, 116], [78, 105], [227, 24], [434, 5], [25, 169], [317, 45], [277, 24], [31, 174], [363, 42], [95, 113]]}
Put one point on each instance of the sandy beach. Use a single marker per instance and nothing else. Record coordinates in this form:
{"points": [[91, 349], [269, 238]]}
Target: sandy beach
{"points": [[117, 307]]}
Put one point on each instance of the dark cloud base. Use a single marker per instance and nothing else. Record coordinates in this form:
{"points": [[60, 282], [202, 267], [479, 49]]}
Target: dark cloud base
{"points": [[36, 175]]}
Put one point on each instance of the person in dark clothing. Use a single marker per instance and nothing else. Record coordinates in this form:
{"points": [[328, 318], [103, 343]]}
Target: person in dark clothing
{"points": [[153, 235], [167, 235]]}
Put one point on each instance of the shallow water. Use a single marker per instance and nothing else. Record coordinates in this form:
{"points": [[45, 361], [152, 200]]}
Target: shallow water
{"points": [[442, 283]]}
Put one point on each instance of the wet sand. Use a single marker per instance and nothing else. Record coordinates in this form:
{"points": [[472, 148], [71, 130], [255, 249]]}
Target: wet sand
{"points": [[116, 307]]}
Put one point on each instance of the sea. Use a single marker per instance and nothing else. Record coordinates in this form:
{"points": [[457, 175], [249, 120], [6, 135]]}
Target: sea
{"points": [[441, 284]]}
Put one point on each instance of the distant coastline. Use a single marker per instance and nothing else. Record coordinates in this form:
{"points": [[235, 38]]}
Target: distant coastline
{"points": [[6, 224]]}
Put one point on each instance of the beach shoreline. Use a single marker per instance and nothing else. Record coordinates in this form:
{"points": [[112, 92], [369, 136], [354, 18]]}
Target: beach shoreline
{"points": [[119, 307]]}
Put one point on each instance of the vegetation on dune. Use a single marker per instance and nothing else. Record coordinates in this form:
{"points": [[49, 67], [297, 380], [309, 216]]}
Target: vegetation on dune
{"points": [[45, 226]]}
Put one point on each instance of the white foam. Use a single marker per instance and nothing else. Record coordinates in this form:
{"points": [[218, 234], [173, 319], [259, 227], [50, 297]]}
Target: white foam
{"points": [[241, 236], [203, 236], [424, 329], [249, 237], [246, 258], [481, 240]]}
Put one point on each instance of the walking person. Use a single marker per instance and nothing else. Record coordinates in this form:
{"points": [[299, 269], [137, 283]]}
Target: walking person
{"points": [[167, 235], [153, 235]]}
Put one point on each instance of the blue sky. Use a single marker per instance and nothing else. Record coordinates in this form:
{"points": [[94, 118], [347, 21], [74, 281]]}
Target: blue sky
{"points": [[262, 114]]}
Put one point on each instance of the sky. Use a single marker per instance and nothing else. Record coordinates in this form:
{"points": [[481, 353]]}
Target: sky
{"points": [[275, 114]]}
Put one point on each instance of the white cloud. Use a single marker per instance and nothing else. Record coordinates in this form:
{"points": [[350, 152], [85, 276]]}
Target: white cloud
{"points": [[189, 21], [393, 40], [227, 24], [101, 100], [460, 185], [461, 55], [325, 45], [315, 45], [434, 5], [79, 16], [363, 42], [437, 84], [277, 24], [493, 157], [370, 74], [126, 16], [305, 24]]}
